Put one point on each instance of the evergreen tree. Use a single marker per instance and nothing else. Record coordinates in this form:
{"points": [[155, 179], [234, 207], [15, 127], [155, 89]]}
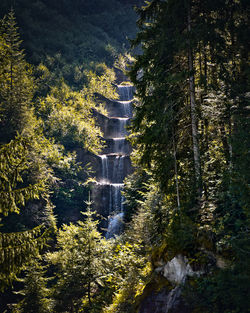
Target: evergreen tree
{"points": [[191, 97], [81, 264], [35, 291], [16, 82], [186, 92], [23, 171], [163, 115], [15, 161], [16, 249]]}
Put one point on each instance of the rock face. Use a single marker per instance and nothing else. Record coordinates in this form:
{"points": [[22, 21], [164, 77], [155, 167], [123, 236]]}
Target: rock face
{"points": [[170, 300], [117, 146], [164, 301], [113, 164], [177, 270]]}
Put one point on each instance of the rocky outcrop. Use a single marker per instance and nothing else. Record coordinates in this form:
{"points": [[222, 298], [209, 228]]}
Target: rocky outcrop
{"points": [[169, 297], [177, 269], [164, 301]]}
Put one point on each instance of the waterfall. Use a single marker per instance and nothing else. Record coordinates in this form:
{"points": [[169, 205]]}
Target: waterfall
{"points": [[122, 123], [118, 144], [110, 200], [125, 92], [116, 210], [115, 225], [113, 169], [118, 169], [127, 108], [117, 196], [105, 172]]}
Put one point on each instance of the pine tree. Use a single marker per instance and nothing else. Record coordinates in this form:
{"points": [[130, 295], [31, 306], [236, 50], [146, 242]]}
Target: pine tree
{"points": [[167, 103], [16, 249], [192, 79], [16, 82], [23, 172], [36, 293], [82, 264], [186, 91], [14, 161]]}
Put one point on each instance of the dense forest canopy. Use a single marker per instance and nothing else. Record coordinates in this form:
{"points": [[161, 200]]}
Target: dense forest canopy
{"points": [[68, 35], [187, 201]]}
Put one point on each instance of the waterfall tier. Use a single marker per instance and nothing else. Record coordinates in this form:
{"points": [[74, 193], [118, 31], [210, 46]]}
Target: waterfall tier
{"points": [[113, 127], [117, 146], [113, 168], [125, 92]]}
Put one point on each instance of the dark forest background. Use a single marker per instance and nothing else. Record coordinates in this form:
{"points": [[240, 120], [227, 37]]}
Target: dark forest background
{"points": [[188, 197], [68, 35]]}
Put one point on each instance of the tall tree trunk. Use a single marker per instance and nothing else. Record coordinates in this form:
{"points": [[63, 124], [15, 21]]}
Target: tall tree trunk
{"points": [[176, 172], [89, 293], [196, 150], [89, 278]]}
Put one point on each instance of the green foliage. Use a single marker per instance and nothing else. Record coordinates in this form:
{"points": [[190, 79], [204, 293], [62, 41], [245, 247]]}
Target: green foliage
{"points": [[35, 292], [134, 191], [82, 264], [180, 236], [101, 82], [162, 123], [68, 115], [54, 115], [128, 275], [23, 172], [211, 35], [16, 81], [161, 126], [163, 231], [18, 249], [91, 271], [224, 291], [14, 161], [89, 31]]}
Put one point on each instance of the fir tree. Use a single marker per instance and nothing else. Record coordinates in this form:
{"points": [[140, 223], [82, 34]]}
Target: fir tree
{"points": [[16, 249], [192, 98], [36, 293], [16, 82], [23, 172], [82, 264]]}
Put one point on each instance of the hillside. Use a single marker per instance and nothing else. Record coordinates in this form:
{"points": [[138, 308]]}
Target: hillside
{"points": [[68, 35]]}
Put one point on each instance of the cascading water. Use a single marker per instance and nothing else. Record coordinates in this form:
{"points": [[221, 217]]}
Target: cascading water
{"points": [[125, 92], [113, 169], [115, 225], [118, 144], [127, 108], [122, 124], [118, 169], [105, 172], [116, 203], [116, 210]]}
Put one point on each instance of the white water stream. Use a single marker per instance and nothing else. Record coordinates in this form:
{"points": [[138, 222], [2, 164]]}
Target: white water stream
{"points": [[113, 164]]}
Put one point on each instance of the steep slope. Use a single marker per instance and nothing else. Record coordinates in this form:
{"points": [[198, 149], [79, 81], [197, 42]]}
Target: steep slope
{"points": [[68, 35]]}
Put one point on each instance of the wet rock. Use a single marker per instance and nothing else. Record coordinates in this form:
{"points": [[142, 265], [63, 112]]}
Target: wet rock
{"points": [[164, 301]]}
